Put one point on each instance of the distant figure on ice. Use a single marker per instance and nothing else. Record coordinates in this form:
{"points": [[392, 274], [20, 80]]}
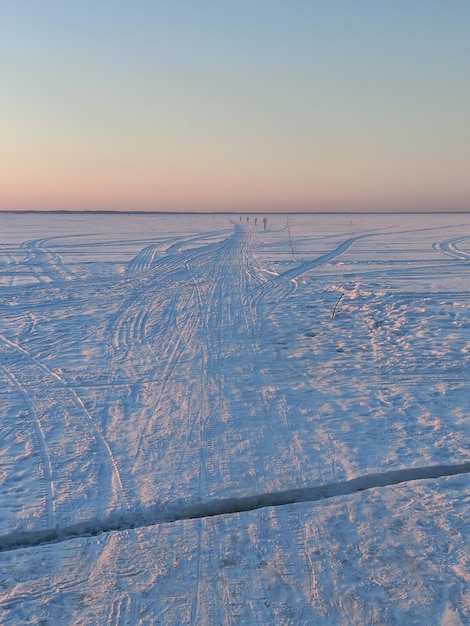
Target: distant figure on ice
{"points": [[247, 219], [256, 220], [265, 221]]}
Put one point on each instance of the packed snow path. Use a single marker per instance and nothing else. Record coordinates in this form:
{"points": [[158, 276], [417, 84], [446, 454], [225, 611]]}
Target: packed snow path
{"points": [[176, 377]]}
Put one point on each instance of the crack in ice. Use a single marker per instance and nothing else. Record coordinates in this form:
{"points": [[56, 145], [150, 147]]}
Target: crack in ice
{"points": [[132, 520]]}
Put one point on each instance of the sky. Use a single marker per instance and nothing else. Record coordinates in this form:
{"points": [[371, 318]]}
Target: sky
{"points": [[246, 105]]}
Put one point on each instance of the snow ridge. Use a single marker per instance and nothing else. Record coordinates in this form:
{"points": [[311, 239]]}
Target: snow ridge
{"points": [[131, 520]]}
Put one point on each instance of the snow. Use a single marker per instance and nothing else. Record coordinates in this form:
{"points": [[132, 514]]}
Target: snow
{"points": [[205, 421]]}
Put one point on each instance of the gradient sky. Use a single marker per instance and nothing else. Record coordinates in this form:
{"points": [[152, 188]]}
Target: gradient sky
{"points": [[235, 105]]}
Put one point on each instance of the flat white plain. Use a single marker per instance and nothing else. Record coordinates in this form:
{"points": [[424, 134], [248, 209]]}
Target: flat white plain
{"points": [[206, 419]]}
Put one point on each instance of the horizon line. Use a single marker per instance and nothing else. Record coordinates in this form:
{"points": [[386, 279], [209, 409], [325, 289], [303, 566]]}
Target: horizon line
{"points": [[242, 212]]}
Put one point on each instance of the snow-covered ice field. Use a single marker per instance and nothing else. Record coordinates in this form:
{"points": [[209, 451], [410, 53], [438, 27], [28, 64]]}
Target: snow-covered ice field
{"points": [[205, 421]]}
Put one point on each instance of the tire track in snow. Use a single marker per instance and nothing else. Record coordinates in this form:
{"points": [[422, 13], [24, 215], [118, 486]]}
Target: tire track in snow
{"points": [[7, 267], [219, 319], [230, 322], [187, 299], [147, 288], [144, 260], [23, 361], [274, 291], [174, 351], [295, 272], [177, 512], [279, 287], [226, 322], [179, 245], [38, 262], [171, 314], [120, 613], [203, 268], [180, 293], [451, 249], [47, 265], [45, 459]]}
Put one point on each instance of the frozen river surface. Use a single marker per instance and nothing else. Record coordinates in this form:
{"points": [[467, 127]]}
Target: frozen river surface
{"points": [[209, 419]]}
